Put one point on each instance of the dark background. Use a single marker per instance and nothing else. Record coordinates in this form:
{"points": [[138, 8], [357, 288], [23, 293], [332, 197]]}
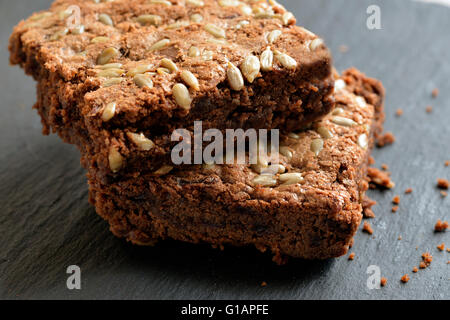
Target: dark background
{"points": [[46, 223]]}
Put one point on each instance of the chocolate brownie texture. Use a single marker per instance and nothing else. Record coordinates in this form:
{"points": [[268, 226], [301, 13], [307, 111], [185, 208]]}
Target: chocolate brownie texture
{"points": [[311, 210], [230, 64]]}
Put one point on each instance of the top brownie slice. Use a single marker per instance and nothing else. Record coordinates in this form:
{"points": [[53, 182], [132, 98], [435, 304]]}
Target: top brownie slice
{"points": [[159, 65]]}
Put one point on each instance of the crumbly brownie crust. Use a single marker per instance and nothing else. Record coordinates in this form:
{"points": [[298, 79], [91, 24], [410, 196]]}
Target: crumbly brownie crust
{"points": [[111, 60], [313, 216]]}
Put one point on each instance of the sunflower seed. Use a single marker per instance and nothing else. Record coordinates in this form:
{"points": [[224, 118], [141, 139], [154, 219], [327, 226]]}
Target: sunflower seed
{"points": [[339, 85], [182, 96], [59, 34], [250, 68], [190, 79], [229, 3], [324, 132], [40, 16], [163, 2], [162, 71], [105, 19], [194, 52], [264, 15], [143, 80], [235, 78], [346, 122], [242, 23], [169, 64], [141, 141], [285, 151], [143, 68], [264, 181], [100, 40], [163, 170], [115, 160], [291, 178], [111, 82], [111, 73], [266, 59], [109, 111], [215, 30], [107, 55], [159, 45], [285, 60], [293, 135], [337, 111], [288, 18], [197, 18], [246, 10], [273, 36], [64, 14], [316, 43], [317, 146], [196, 3], [361, 102], [280, 168], [77, 30], [363, 141], [218, 41], [149, 19], [207, 55], [178, 25]]}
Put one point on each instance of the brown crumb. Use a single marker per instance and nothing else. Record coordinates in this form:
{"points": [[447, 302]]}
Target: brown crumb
{"points": [[343, 48], [367, 205], [394, 209], [441, 247], [429, 109], [396, 200], [380, 178], [441, 226], [399, 112], [399, 238], [422, 265], [443, 183], [435, 92], [448, 249], [383, 281], [351, 256], [444, 194], [415, 270], [367, 228], [427, 258], [384, 167], [447, 163], [371, 160], [263, 284], [405, 278], [386, 139], [409, 190]]}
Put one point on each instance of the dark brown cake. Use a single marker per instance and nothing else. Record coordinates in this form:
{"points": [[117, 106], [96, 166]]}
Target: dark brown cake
{"points": [[111, 78], [311, 210]]}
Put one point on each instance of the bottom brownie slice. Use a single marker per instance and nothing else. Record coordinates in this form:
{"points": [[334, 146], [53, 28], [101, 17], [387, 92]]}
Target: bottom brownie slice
{"points": [[311, 210]]}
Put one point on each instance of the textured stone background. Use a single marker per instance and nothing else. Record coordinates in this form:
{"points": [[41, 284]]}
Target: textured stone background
{"points": [[46, 223]]}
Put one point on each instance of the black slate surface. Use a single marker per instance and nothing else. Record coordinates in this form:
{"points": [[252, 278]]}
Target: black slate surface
{"points": [[46, 223]]}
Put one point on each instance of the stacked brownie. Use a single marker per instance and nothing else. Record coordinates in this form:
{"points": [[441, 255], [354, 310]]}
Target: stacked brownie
{"points": [[128, 73]]}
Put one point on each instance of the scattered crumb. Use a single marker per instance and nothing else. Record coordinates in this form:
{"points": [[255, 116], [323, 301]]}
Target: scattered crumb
{"points": [[422, 265], [448, 249], [399, 112], [343, 48], [386, 139], [367, 228], [396, 200], [444, 194], [443, 183], [383, 281], [435, 92], [351, 256], [415, 269], [409, 190], [394, 209], [441, 247], [399, 238], [367, 205], [441, 226], [263, 284], [371, 160], [384, 167], [405, 278], [447, 163], [380, 178], [427, 258], [429, 109]]}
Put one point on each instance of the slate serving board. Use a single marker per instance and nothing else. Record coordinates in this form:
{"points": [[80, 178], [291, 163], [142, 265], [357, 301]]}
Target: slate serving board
{"points": [[46, 223]]}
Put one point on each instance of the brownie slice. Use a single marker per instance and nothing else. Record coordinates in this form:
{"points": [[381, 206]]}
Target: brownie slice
{"points": [[311, 210]]}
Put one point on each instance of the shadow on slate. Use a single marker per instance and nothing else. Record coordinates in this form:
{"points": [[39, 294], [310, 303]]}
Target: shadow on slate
{"points": [[47, 223]]}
